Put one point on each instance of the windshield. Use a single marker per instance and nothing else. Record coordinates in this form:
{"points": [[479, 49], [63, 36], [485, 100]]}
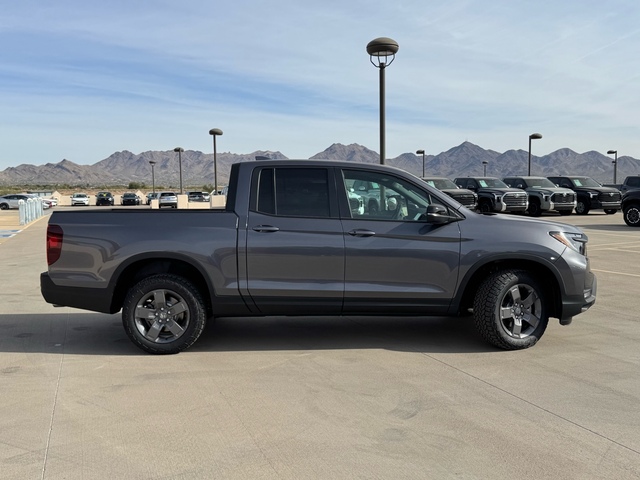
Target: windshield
{"points": [[441, 183], [584, 182], [540, 182], [491, 183]]}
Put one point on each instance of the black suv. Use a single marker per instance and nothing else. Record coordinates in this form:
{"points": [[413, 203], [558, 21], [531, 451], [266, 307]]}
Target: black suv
{"points": [[591, 195], [462, 195], [494, 195], [104, 198]]}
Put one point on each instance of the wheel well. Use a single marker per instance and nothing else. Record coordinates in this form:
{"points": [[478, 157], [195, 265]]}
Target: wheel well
{"points": [[547, 280], [135, 272]]}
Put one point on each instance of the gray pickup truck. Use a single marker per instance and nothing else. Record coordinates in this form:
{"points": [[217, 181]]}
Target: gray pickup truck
{"points": [[289, 242]]}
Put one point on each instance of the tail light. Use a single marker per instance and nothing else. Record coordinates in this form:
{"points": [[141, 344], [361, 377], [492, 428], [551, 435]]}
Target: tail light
{"points": [[54, 243]]}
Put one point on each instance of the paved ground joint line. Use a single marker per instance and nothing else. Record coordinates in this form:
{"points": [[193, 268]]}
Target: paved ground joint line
{"points": [[55, 402]]}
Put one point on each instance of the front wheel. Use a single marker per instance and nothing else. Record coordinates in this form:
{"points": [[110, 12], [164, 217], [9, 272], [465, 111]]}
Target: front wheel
{"points": [[582, 207], [485, 207], [631, 215], [610, 211], [4, 206], [163, 314], [509, 310], [534, 208]]}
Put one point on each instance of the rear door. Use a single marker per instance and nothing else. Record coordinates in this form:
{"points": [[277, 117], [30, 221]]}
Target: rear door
{"points": [[295, 244]]}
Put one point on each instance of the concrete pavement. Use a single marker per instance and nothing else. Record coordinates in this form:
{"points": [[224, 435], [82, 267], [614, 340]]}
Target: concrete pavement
{"points": [[327, 398]]}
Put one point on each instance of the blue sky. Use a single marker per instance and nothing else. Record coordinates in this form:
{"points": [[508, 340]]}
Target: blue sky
{"points": [[83, 79]]}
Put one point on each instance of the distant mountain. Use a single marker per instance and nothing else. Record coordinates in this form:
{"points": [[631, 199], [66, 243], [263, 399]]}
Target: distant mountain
{"points": [[124, 167]]}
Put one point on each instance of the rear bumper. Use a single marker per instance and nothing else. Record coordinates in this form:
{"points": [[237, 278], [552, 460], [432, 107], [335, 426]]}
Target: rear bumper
{"points": [[93, 299]]}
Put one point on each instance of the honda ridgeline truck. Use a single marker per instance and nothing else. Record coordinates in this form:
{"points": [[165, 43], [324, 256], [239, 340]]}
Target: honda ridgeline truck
{"points": [[288, 242]]}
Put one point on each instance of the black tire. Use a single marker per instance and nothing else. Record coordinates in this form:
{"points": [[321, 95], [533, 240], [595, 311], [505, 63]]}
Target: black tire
{"points": [[485, 206], [4, 206], [534, 208], [631, 214], [509, 310], [565, 212], [610, 211], [164, 314], [582, 207]]}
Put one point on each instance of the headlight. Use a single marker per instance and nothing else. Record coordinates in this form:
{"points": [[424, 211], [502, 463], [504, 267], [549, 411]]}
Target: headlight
{"points": [[575, 241]]}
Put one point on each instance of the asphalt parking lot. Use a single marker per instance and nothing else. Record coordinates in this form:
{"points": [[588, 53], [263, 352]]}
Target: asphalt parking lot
{"points": [[290, 398]]}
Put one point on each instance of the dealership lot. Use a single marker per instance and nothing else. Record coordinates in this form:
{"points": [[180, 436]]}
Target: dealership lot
{"points": [[321, 397]]}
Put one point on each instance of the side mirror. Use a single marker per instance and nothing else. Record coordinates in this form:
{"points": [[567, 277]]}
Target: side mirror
{"points": [[438, 214]]}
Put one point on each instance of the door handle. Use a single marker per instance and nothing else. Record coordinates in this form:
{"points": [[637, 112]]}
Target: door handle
{"points": [[359, 232], [265, 228]]}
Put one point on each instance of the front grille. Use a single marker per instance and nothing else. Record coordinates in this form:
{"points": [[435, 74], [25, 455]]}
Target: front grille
{"points": [[609, 197], [515, 199], [563, 198], [465, 199]]}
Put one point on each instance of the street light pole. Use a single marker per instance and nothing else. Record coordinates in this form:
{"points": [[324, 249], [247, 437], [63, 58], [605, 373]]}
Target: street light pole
{"points": [[382, 48], [153, 175], [214, 132], [484, 167], [615, 165], [533, 136], [179, 150], [421, 152]]}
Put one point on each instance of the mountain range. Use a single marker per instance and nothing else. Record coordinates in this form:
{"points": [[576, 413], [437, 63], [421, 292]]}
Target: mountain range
{"points": [[466, 159]]}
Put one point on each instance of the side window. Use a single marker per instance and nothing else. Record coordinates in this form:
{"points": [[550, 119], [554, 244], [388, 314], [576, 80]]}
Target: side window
{"points": [[294, 192], [385, 197]]}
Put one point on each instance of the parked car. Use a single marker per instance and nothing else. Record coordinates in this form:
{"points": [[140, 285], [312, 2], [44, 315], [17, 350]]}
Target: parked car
{"points": [[130, 198], [590, 194], [494, 195], [151, 196], [79, 199], [465, 196], [198, 196], [167, 199], [631, 208], [104, 198], [12, 200], [544, 196]]}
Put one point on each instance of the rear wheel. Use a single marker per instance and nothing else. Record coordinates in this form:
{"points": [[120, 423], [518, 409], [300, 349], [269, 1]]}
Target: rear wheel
{"points": [[163, 314], [631, 214], [509, 310], [582, 207]]}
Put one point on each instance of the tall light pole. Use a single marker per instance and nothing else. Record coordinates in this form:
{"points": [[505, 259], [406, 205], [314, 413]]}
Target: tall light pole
{"points": [[382, 48], [533, 136], [214, 132], [615, 164], [153, 175], [179, 150], [418, 152], [484, 168]]}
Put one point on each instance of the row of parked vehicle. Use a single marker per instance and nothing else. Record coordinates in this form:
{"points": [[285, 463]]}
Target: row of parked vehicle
{"points": [[12, 200], [165, 198], [530, 194]]}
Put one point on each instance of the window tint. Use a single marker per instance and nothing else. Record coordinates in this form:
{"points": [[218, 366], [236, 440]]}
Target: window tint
{"points": [[381, 196], [297, 192]]}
